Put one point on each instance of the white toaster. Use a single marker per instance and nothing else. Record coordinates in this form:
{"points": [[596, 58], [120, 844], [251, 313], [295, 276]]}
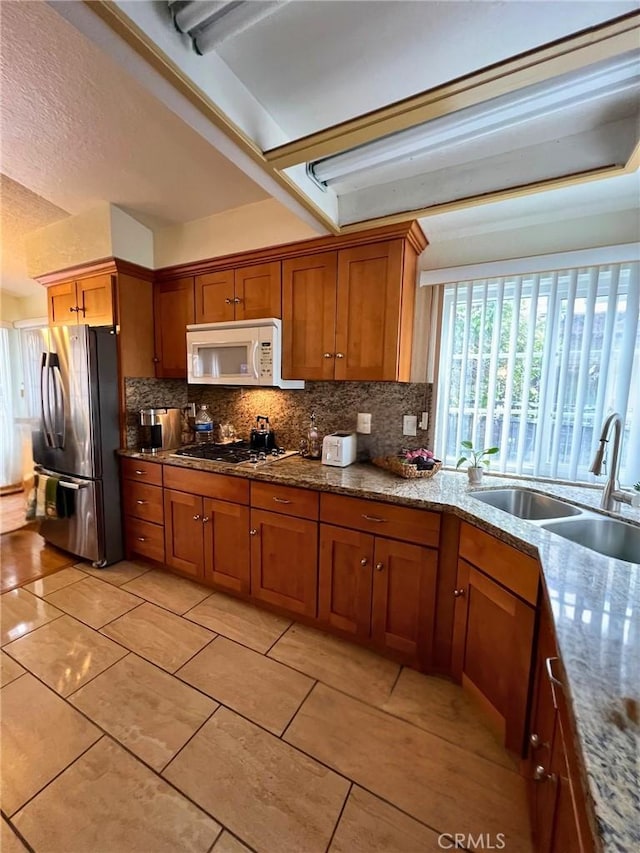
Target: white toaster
{"points": [[339, 449]]}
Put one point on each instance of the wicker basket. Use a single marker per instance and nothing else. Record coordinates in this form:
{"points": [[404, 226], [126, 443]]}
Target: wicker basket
{"points": [[404, 469]]}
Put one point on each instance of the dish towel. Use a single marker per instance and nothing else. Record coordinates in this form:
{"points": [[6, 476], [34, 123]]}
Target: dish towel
{"points": [[48, 499]]}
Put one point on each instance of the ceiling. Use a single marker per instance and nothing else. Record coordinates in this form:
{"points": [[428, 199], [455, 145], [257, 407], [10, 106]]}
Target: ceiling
{"points": [[107, 102]]}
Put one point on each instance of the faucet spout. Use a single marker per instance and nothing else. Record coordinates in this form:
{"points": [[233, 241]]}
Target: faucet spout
{"points": [[612, 487]]}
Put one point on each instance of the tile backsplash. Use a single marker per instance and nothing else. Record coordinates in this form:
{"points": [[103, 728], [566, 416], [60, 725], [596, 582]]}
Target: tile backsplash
{"points": [[335, 404]]}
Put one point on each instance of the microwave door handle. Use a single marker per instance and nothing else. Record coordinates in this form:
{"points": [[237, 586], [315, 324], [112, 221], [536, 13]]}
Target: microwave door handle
{"points": [[255, 360]]}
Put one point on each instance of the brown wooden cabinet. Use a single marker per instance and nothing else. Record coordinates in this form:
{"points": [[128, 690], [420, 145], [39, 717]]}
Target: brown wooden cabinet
{"points": [[226, 545], [88, 299], [495, 599], [143, 509], [559, 818], [173, 311], [379, 589], [247, 293], [349, 314], [284, 561], [183, 534]]}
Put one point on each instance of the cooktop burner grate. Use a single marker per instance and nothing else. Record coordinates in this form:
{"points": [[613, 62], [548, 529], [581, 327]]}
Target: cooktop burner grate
{"points": [[234, 453]]}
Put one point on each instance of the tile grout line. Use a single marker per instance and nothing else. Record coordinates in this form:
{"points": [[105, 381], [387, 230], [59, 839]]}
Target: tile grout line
{"points": [[339, 818], [17, 832], [295, 713]]}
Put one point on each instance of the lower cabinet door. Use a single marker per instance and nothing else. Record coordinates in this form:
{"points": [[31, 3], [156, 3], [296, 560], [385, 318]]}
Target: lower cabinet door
{"points": [[284, 561], [183, 532], [345, 577], [226, 545], [492, 642], [404, 598]]}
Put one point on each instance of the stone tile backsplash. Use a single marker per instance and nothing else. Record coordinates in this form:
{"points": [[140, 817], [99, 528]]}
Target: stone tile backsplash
{"points": [[335, 404]]}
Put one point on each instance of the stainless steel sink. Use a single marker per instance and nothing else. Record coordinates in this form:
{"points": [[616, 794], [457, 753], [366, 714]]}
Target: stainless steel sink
{"points": [[605, 535], [525, 504]]}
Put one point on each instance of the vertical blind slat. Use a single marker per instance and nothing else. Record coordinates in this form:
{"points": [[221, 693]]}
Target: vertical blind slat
{"points": [[583, 367], [493, 365], [543, 427], [562, 383], [526, 370], [605, 355]]}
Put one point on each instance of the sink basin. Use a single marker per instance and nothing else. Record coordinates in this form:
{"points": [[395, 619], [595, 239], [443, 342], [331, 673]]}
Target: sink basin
{"points": [[525, 504], [605, 535]]}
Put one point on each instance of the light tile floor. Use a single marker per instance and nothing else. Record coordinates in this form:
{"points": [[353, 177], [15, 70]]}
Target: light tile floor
{"points": [[143, 712]]}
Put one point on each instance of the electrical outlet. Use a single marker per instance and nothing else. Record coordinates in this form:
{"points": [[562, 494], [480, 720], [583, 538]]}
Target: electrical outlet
{"points": [[424, 421], [364, 423], [409, 424]]}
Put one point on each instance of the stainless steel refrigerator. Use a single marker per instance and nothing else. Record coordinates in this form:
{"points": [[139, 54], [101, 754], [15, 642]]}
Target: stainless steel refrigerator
{"points": [[78, 437]]}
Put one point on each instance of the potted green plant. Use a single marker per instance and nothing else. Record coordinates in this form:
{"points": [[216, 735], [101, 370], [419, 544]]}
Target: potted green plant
{"points": [[477, 460]]}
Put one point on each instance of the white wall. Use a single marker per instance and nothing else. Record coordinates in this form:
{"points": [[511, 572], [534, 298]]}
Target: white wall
{"points": [[252, 226]]}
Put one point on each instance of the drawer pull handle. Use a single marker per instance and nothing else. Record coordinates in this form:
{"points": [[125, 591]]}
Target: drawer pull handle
{"points": [[549, 665], [363, 561], [282, 501], [458, 593], [142, 538], [253, 532], [140, 471], [141, 502], [379, 567], [196, 518], [374, 518]]}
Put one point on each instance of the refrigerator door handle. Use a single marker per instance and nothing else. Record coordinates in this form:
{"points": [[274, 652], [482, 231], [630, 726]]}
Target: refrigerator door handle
{"points": [[44, 400], [58, 411]]}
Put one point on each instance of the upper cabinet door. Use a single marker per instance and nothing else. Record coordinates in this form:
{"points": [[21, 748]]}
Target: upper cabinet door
{"points": [[214, 297], [309, 316], [370, 291], [61, 299], [258, 292], [95, 300], [173, 311]]}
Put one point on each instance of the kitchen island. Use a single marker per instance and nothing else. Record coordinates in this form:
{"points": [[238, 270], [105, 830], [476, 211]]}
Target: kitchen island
{"points": [[594, 601]]}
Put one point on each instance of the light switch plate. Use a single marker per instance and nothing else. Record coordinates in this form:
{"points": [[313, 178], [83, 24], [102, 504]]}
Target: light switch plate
{"points": [[409, 425], [364, 423]]}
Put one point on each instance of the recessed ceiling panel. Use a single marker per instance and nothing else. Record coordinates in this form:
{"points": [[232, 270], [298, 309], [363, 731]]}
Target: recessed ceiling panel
{"points": [[315, 64]]}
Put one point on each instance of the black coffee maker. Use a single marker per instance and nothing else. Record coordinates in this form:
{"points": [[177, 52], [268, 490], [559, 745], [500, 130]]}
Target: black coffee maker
{"points": [[262, 436]]}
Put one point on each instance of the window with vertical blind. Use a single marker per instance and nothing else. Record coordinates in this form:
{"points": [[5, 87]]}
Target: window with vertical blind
{"points": [[534, 363]]}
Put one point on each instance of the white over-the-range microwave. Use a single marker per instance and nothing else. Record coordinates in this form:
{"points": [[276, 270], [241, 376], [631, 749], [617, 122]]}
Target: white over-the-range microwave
{"points": [[243, 352]]}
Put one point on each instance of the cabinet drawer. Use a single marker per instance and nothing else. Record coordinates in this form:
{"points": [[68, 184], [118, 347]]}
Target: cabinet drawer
{"points": [[143, 501], [397, 522], [208, 485], [514, 570], [145, 538], [142, 470], [288, 500]]}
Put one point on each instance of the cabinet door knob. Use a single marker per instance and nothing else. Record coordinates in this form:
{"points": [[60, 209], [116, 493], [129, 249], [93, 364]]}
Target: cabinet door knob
{"points": [[205, 519], [142, 538], [196, 518], [363, 561], [228, 301], [237, 300], [540, 774], [379, 567], [253, 531], [339, 355], [156, 360], [534, 740], [458, 593], [328, 355], [71, 310]]}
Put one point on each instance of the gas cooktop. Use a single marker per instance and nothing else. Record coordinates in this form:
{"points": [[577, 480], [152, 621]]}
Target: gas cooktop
{"points": [[233, 453]]}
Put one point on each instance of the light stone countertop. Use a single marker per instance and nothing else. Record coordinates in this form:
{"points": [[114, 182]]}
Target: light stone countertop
{"points": [[595, 602]]}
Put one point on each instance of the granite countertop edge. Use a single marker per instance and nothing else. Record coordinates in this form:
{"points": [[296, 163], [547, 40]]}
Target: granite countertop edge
{"points": [[599, 667]]}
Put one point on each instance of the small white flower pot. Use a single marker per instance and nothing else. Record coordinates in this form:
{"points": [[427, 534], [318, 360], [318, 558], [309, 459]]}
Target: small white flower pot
{"points": [[475, 475]]}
